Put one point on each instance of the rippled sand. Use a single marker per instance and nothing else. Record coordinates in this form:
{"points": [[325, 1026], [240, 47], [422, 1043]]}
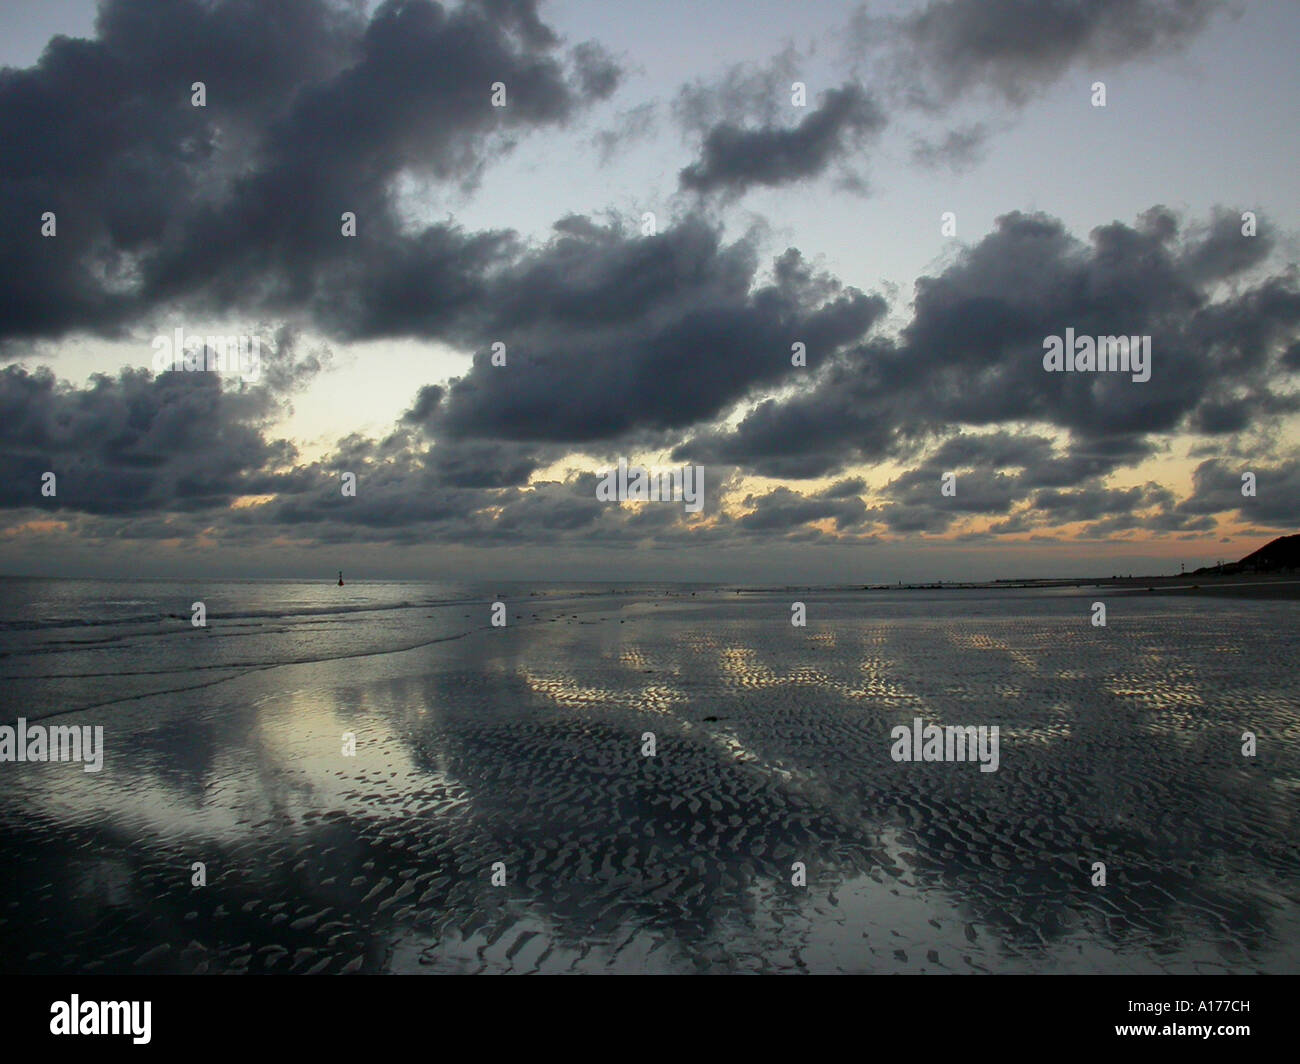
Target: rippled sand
{"points": [[523, 746]]}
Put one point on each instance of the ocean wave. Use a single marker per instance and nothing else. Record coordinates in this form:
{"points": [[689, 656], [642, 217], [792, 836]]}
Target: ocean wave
{"points": [[47, 623]]}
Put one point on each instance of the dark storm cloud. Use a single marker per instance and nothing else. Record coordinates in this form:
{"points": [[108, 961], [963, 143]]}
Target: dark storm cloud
{"points": [[970, 450], [843, 489], [996, 473], [1015, 47], [486, 463], [1094, 503], [398, 497], [672, 330], [102, 133], [615, 340], [311, 111], [745, 94], [972, 353], [928, 59], [747, 132], [550, 510], [1214, 418], [1217, 488], [408, 497], [139, 442], [781, 510], [916, 503], [1220, 250], [608, 334], [734, 159], [1035, 458], [135, 443]]}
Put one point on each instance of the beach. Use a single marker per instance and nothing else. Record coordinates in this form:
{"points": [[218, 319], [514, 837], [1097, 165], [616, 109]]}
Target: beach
{"points": [[501, 812]]}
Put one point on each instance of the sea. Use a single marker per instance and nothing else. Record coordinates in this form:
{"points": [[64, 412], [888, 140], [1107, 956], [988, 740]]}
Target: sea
{"points": [[652, 778]]}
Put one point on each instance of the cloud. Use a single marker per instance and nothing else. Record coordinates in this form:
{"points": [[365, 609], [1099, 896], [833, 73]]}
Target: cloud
{"points": [[676, 342], [959, 149], [734, 159], [783, 509], [1014, 48], [971, 355], [929, 60], [609, 334], [237, 205], [746, 93], [636, 123], [136, 443], [1217, 488]]}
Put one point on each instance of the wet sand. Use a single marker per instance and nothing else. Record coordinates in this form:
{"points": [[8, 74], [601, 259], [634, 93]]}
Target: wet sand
{"points": [[1245, 585], [1248, 586], [523, 746]]}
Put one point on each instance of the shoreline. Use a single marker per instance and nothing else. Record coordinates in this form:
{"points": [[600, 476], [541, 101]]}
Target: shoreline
{"points": [[1244, 585], [1284, 585]]}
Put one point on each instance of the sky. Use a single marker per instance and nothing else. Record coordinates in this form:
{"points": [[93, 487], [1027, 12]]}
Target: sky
{"points": [[482, 252]]}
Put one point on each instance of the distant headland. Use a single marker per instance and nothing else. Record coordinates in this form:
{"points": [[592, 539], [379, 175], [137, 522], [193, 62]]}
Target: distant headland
{"points": [[1273, 571]]}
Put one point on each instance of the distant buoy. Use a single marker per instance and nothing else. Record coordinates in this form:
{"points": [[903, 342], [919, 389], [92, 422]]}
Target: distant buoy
{"points": [[340, 578]]}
